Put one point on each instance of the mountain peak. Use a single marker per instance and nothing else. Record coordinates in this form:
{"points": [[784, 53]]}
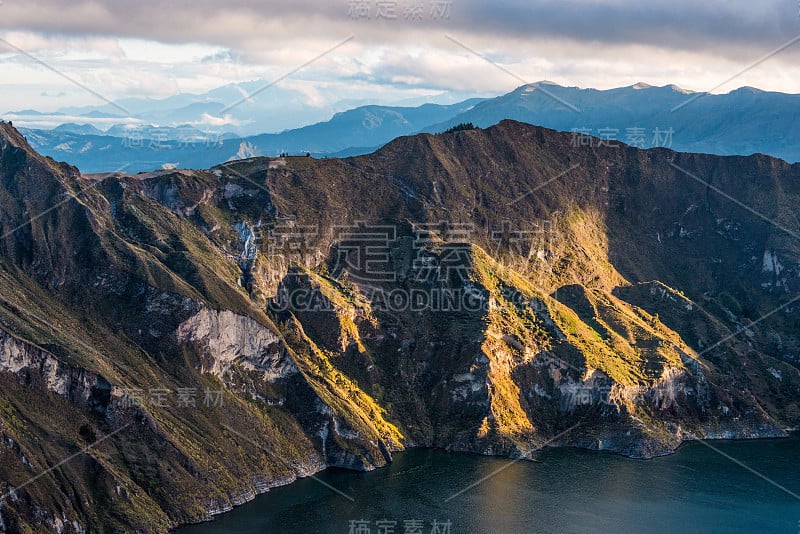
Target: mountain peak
{"points": [[530, 87], [746, 89], [16, 152], [10, 135]]}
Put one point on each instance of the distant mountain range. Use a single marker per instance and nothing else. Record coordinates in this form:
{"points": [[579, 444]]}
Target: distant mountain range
{"points": [[145, 148], [742, 122], [247, 108], [183, 132]]}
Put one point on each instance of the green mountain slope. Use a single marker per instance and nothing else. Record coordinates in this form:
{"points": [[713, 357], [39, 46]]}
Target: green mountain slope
{"points": [[211, 334]]}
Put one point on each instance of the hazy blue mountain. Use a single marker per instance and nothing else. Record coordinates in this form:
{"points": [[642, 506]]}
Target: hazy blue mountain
{"points": [[98, 114], [145, 148], [366, 126], [245, 108], [744, 121], [81, 129], [183, 132], [136, 153], [32, 112], [270, 110]]}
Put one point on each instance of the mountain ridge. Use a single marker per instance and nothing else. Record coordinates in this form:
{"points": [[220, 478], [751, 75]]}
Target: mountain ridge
{"points": [[598, 296], [146, 148], [741, 122]]}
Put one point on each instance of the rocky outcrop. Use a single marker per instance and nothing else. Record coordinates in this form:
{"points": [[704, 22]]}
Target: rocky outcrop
{"points": [[84, 388], [224, 337], [237, 349]]}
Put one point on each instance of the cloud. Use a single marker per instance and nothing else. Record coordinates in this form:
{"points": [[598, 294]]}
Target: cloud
{"points": [[157, 49], [250, 25], [210, 120], [51, 121]]}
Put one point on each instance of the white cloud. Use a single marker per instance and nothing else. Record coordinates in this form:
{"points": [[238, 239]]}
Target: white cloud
{"points": [[51, 121], [210, 120], [149, 49], [152, 51]]}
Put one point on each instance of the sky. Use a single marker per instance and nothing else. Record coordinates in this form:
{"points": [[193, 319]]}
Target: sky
{"points": [[57, 54]]}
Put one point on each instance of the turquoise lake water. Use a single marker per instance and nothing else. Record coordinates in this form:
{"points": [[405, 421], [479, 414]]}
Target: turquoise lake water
{"points": [[695, 490]]}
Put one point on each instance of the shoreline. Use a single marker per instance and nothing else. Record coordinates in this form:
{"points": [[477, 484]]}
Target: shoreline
{"points": [[216, 514]]}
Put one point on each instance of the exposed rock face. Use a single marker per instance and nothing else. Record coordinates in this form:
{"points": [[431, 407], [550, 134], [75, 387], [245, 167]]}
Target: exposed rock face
{"points": [[82, 387], [225, 337], [228, 331]]}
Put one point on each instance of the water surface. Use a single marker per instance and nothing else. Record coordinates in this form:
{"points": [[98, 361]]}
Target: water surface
{"points": [[695, 490]]}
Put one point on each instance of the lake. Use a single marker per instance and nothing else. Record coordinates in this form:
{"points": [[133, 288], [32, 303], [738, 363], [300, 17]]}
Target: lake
{"points": [[695, 490]]}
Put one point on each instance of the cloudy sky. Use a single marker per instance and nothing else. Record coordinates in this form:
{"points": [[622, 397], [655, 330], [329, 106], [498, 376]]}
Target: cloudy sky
{"points": [[385, 51]]}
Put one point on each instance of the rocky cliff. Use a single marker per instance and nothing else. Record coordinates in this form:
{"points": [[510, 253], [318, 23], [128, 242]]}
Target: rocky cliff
{"points": [[193, 338]]}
